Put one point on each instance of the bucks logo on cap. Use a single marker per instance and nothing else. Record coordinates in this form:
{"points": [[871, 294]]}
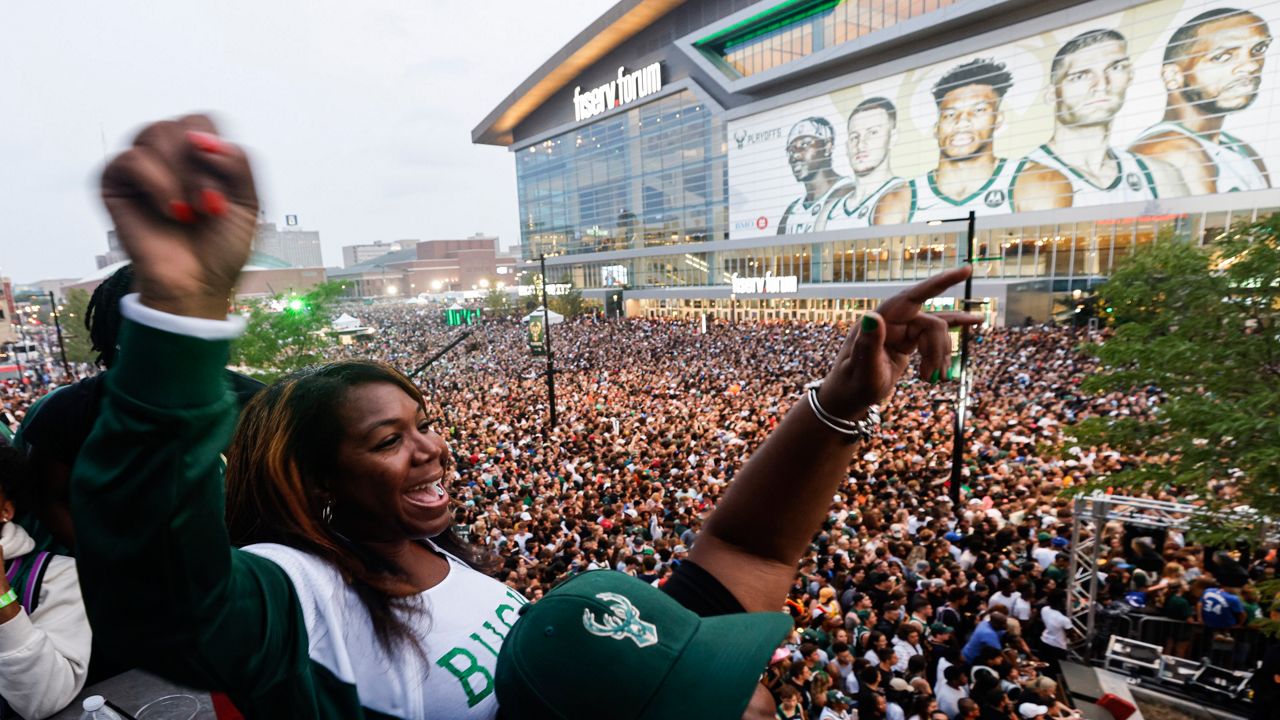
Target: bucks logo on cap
{"points": [[635, 650], [623, 623]]}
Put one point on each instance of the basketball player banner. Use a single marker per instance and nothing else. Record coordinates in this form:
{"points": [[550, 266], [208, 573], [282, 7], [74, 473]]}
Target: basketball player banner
{"points": [[1161, 100]]}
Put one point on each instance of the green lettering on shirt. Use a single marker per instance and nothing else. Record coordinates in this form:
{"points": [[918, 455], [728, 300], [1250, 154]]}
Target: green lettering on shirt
{"points": [[500, 611], [464, 673], [485, 644]]}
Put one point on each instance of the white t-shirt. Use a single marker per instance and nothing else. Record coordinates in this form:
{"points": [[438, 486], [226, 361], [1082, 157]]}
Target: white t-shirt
{"points": [[1056, 626], [467, 616], [949, 698], [1045, 556], [1019, 608], [941, 678]]}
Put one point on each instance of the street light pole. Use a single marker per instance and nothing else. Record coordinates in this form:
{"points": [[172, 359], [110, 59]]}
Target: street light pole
{"points": [[57, 324], [962, 391], [546, 330]]}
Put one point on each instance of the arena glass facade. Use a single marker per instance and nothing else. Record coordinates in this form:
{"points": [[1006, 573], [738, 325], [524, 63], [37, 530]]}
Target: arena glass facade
{"points": [[671, 197]]}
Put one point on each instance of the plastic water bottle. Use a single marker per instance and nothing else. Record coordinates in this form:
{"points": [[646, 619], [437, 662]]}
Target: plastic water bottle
{"points": [[95, 708]]}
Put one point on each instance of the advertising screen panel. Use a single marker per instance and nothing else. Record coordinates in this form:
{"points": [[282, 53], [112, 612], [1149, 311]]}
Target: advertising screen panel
{"points": [[1162, 100]]}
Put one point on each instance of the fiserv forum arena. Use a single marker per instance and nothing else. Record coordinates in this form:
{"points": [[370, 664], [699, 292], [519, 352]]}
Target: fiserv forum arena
{"points": [[803, 159]]}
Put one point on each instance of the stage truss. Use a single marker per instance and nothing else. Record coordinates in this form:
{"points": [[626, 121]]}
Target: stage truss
{"points": [[1091, 514]]}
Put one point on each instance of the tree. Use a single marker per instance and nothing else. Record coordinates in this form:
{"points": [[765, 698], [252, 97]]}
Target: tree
{"points": [[1198, 327], [74, 334], [569, 303], [497, 303], [286, 333]]}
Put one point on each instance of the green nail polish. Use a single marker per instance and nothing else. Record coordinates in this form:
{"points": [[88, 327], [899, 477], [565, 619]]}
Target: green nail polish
{"points": [[868, 323], [937, 374]]}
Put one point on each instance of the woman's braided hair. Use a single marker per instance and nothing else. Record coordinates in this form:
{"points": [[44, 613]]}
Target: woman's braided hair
{"points": [[102, 317]]}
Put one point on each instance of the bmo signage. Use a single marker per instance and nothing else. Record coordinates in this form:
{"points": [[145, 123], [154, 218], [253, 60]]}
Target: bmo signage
{"points": [[626, 88]]}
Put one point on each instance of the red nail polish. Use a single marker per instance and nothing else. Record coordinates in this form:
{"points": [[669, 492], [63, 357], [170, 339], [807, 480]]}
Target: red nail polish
{"points": [[182, 212], [215, 203], [206, 142]]}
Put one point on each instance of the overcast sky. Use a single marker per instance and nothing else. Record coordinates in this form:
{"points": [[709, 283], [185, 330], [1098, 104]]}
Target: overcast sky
{"points": [[358, 114]]}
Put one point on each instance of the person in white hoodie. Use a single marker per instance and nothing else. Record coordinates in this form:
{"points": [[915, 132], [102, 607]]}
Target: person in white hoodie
{"points": [[44, 632]]}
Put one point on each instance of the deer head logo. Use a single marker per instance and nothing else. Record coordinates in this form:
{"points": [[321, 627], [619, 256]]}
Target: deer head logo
{"points": [[621, 623]]}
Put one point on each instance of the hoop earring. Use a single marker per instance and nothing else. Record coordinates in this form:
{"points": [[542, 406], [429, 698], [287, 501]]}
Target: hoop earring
{"points": [[326, 513]]}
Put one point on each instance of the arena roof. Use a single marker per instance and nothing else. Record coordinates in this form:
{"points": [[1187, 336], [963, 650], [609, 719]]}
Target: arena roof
{"points": [[619, 24], [378, 263]]}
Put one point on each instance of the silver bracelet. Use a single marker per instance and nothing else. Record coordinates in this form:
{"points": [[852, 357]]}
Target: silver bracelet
{"points": [[812, 388], [859, 430]]}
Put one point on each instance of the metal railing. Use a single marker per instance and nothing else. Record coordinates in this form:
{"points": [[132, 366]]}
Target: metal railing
{"points": [[1231, 649]]}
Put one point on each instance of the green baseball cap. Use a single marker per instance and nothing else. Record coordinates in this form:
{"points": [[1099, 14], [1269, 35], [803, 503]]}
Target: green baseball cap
{"points": [[604, 639]]}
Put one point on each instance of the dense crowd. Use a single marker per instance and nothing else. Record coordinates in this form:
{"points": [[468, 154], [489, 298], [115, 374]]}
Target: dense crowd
{"points": [[16, 397], [322, 546], [902, 609], [655, 417]]}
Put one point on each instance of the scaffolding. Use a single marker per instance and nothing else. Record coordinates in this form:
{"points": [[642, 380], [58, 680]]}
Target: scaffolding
{"points": [[1091, 514]]}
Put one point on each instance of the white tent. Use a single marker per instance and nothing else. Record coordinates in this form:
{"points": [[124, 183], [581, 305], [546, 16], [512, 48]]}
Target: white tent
{"points": [[345, 322], [553, 317]]}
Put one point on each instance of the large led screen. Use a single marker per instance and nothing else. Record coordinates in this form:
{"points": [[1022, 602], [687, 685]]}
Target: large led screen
{"points": [[1162, 100]]}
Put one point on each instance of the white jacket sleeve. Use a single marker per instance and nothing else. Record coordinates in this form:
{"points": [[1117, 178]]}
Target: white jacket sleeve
{"points": [[44, 658]]}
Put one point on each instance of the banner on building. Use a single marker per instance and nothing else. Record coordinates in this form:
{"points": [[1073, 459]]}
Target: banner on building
{"points": [[1161, 100]]}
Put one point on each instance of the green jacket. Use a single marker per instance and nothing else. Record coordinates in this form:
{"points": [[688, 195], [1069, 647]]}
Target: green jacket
{"points": [[161, 582]]}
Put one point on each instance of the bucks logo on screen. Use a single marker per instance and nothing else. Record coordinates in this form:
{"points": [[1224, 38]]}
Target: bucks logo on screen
{"points": [[621, 623], [537, 337]]}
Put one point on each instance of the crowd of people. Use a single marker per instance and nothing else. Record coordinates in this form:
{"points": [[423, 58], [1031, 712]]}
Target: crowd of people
{"points": [[313, 547], [656, 416]]}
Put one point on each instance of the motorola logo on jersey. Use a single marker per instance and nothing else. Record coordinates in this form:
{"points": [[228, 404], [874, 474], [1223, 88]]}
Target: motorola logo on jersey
{"points": [[994, 198]]}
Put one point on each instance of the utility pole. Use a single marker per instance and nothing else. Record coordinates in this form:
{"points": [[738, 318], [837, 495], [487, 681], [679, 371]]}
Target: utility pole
{"points": [[546, 330], [57, 324], [962, 392]]}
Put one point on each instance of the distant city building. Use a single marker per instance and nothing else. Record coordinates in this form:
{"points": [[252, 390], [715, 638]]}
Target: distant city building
{"points": [[263, 276], [8, 313], [51, 285], [298, 248], [114, 253], [356, 254], [429, 266]]}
